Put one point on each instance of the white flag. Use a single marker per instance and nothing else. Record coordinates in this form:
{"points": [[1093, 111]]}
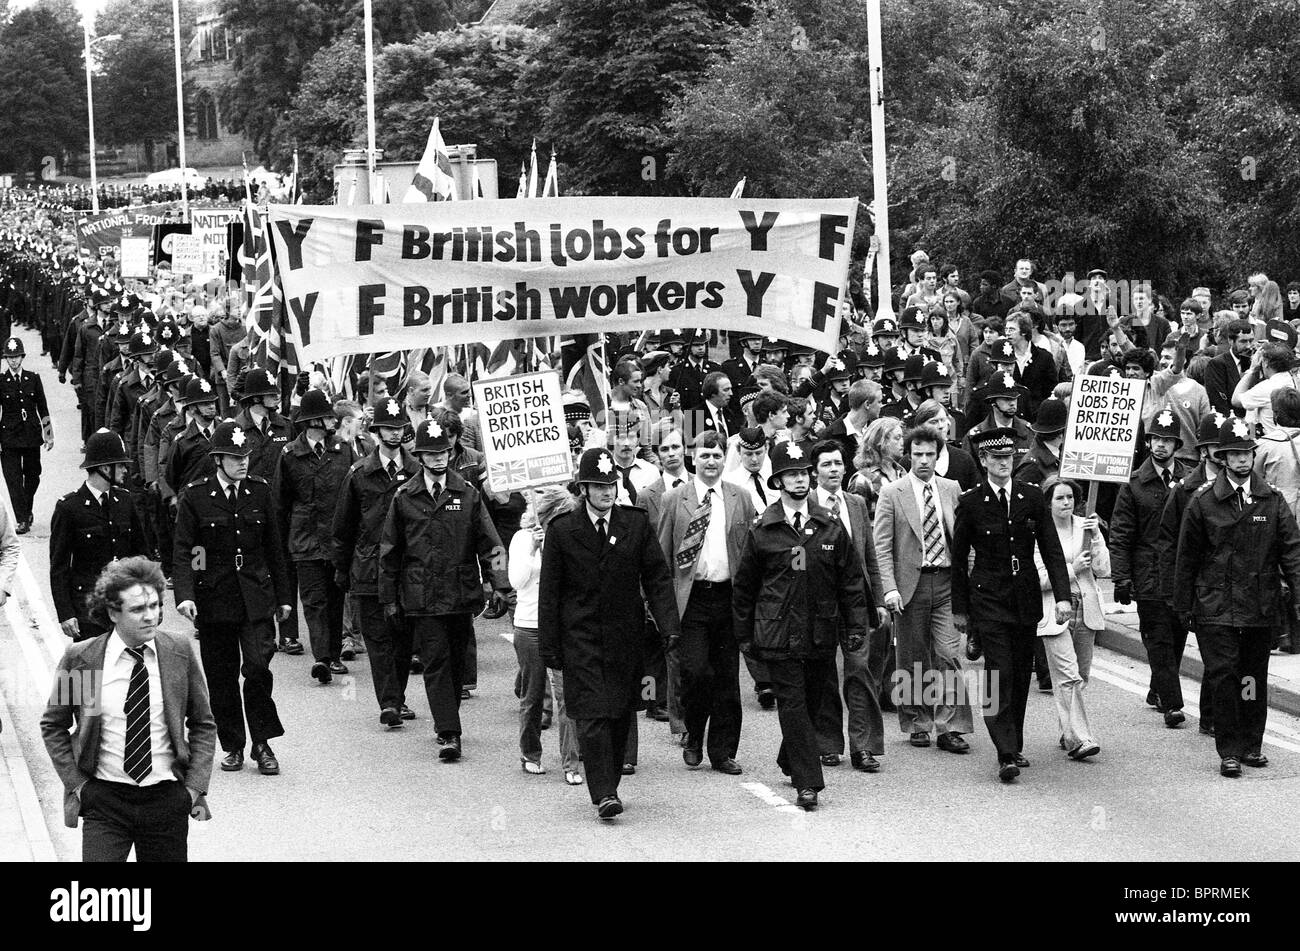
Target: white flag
{"points": [[433, 179]]}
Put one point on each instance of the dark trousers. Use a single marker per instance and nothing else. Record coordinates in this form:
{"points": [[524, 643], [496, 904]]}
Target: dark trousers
{"points": [[758, 670], [143, 502], [471, 659], [162, 521], [87, 416], [322, 606], [861, 681], [710, 668], [1236, 668], [220, 647], [1164, 637], [655, 696], [441, 642], [116, 816], [388, 645], [22, 472], [1041, 670], [602, 743], [800, 686], [1008, 663], [288, 628]]}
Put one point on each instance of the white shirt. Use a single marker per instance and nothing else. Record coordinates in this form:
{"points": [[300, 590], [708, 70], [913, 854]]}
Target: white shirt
{"points": [[98, 496], [1075, 356], [673, 481], [918, 490], [642, 474], [995, 490], [825, 500], [597, 516], [1247, 498], [118, 665], [226, 484], [743, 479], [802, 511], [712, 564]]}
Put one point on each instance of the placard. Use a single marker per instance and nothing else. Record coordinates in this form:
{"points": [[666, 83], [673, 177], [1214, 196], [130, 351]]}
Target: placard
{"points": [[522, 430], [134, 257], [187, 254], [1101, 432]]}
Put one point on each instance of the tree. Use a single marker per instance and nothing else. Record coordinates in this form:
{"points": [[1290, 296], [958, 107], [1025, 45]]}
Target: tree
{"points": [[328, 115], [608, 70], [42, 112]]}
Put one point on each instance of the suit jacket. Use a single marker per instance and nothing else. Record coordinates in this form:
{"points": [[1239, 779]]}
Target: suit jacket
{"points": [[652, 499], [74, 705], [899, 539], [865, 543], [679, 505], [1221, 377]]}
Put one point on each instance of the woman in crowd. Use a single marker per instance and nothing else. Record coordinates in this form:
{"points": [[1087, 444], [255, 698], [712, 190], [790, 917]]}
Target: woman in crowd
{"points": [[981, 368], [1034, 369], [941, 335], [879, 459], [1069, 646], [525, 570]]}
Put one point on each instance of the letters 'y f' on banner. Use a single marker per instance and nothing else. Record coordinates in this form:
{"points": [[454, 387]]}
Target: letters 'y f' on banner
{"points": [[364, 279]]}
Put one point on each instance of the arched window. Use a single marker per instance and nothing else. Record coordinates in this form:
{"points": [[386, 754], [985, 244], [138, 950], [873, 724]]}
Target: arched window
{"points": [[205, 108]]}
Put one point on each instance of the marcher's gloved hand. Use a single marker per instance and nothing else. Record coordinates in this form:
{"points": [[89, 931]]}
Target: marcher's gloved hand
{"points": [[974, 650], [854, 643], [1123, 592], [342, 579]]}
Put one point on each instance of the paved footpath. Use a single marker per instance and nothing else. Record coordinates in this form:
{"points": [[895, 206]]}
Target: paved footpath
{"points": [[352, 791]]}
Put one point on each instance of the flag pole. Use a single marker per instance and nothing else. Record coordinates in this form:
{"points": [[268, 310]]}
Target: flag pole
{"points": [[370, 97], [180, 111], [880, 197]]}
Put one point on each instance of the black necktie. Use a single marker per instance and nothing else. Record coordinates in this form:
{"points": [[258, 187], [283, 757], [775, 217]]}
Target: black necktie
{"points": [[234, 494], [758, 487], [1002, 500], [627, 483], [1168, 477], [798, 521], [137, 757], [392, 469], [1241, 499], [320, 449], [437, 490], [601, 533]]}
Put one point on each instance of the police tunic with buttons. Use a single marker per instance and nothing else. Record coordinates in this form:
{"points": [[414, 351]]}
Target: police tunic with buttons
{"points": [[84, 537], [22, 408]]}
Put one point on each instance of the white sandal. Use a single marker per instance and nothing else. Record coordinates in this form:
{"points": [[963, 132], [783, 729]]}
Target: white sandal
{"points": [[573, 777], [535, 769]]}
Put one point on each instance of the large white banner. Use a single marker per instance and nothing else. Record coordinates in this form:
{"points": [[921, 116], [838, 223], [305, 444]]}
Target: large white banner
{"points": [[369, 278]]}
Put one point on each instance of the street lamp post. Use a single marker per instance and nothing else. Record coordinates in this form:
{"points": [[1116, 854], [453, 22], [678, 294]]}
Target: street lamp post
{"points": [[90, 111], [180, 111]]}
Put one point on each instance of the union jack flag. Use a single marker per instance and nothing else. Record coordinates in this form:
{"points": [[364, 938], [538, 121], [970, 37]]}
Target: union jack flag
{"points": [[276, 340]]}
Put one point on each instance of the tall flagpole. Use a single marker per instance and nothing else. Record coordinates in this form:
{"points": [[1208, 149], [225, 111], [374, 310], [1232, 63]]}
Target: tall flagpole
{"points": [[90, 115], [885, 306], [370, 98], [180, 110]]}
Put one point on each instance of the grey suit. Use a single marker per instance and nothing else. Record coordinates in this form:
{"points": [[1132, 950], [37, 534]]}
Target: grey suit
{"points": [[75, 700], [928, 644], [709, 657], [652, 500]]}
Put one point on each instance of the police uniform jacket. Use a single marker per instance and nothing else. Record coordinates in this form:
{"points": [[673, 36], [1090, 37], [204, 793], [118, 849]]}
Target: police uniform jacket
{"points": [[108, 376], [687, 379], [431, 552], [1002, 588], [363, 504], [1226, 572], [189, 460], [228, 560], [1134, 530], [169, 431], [130, 388], [307, 492], [268, 446], [795, 593], [22, 407], [1171, 523], [590, 613], [84, 537], [151, 444]]}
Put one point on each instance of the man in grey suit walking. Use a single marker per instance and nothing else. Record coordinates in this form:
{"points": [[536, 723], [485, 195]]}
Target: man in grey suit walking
{"points": [[702, 530], [913, 532]]}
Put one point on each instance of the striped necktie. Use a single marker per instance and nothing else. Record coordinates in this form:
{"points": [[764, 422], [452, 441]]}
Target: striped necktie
{"points": [[696, 529], [930, 529], [137, 757]]}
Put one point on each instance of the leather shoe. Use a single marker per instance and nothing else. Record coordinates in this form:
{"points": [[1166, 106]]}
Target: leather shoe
{"points": [[1174, 719], [406, 713], [1207, 729], [692, 756], [629, 769], [464, 693], [1152, 699], [865, 762], [1230, 767], [267, 764], [390, 717], [728, 766], [347, 653], [291, 645], [233, 761], [609, 807], [1008, 771], [952, 742], [336, 667], [1084, 750], [449, 748], [766, 699], [919, 739], [1020, 761], [807, 799], [1257, 760], [830, 759], [321, 671]]}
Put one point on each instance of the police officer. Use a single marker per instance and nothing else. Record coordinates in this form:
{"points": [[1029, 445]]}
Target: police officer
{"points": [[307, 484], [742, 366], [85, 367], [171, 389], [597, 561], [687, 378], [24, 426], [1135, 561], [799, 592], [1238, 541], [437, 539], [363, 504], [190, 459], [259, 416], [1001, 519], [89, 528], [230, 581]]}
